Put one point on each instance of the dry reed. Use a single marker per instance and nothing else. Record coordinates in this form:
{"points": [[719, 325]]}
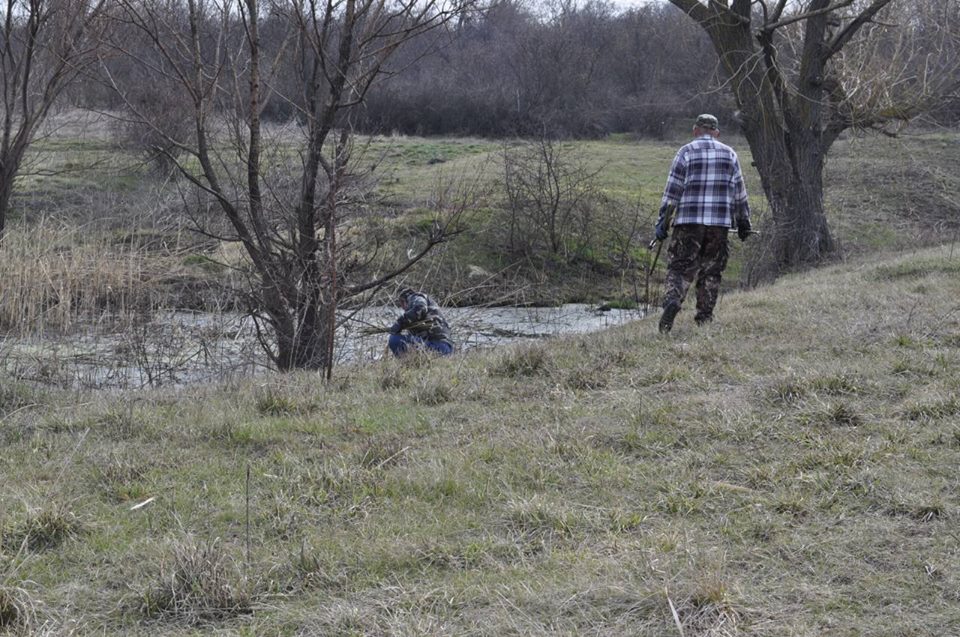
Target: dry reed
{"points": [[54, 277]]}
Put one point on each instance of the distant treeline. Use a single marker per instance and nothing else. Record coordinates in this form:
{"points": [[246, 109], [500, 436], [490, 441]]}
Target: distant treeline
{"points": [[555, 67], [515, 69], [564, 69], [580, 71]]}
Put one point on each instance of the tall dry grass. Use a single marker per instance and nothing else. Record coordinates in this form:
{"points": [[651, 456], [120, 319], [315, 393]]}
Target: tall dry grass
{"points": [[55, 275]]}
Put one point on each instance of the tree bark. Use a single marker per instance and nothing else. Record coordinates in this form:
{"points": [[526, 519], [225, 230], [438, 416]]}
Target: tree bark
{"points": [[6, 192], [791, 174], [787, 147]]}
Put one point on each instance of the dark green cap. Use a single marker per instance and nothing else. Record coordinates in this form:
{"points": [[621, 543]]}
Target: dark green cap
{"points": [[707, 121]]}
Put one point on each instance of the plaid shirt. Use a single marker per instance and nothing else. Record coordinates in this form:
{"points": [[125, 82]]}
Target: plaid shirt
{"points": [[706, 185]]}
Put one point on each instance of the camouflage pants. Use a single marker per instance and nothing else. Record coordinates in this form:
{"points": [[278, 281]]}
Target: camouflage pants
{"points": [[701, 252]]}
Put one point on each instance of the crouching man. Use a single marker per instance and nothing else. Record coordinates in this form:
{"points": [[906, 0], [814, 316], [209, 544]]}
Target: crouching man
{"points": [[424, 325]]}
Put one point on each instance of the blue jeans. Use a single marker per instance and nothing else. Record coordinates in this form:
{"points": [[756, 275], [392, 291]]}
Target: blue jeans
{"points": [[400, 344]]}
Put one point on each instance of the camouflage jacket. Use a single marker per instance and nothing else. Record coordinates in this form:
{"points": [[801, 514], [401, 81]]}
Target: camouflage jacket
{"points": [[423, 319]]}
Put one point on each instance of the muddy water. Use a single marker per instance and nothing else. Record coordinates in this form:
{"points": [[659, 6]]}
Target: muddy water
{"points": [[178, 348]]}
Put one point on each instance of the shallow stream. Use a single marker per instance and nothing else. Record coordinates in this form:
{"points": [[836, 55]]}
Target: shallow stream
{"points": [[179, 348]]}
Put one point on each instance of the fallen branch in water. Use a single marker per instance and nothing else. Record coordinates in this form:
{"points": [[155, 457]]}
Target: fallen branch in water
{"points": [[371, 330]]}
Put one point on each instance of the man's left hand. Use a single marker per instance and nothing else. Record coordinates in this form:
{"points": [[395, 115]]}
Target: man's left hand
{"points": [[743, 228]]}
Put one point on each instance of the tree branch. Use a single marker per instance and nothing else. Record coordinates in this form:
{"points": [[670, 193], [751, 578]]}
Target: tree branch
{"points": [[806, 15], [841, 38]]}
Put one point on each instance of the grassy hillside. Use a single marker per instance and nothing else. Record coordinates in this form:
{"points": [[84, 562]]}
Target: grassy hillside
{"points": [[788, 470]]}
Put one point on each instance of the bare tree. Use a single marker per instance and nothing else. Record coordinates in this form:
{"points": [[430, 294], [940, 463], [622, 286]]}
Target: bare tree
{"points": [[44, 46], [803, 72], [283, 202], [550, 198]]}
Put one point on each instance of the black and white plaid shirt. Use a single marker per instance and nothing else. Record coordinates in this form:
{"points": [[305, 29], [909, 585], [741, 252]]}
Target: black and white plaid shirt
{"points": [[706, 185]]}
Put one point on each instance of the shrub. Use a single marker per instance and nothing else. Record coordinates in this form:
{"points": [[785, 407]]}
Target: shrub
{"points": [[521, 361], [41, 530], [198, 582]]}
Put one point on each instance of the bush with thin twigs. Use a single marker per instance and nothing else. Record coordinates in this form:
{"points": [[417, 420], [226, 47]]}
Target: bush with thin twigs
{"points": [[552, 200], [170, 118]]}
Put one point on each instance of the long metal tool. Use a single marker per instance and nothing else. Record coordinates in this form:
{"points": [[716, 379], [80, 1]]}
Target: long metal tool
{"points": [[650, 266], [652, 263]]}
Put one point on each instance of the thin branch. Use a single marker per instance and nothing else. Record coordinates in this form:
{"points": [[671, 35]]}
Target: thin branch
{"points": [[841, 38], [806, 15]]}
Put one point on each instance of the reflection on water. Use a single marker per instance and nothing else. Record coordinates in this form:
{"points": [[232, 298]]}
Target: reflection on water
{"points": [[179, 348]]}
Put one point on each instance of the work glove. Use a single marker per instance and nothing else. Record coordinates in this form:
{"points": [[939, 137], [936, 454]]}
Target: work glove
{"points": [[395, 328], [743, 228], [661, 230]]}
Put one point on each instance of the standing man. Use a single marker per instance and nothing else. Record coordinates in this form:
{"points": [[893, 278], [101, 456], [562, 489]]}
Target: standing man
{"points": [[705, 188], [425, 325]]}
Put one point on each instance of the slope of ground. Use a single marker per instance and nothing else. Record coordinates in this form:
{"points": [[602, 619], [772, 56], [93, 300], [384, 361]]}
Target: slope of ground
{"points": [[788, 470]]}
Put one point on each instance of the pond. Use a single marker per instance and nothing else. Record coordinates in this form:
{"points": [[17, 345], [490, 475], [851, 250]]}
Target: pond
{"points": [[180, 348]]}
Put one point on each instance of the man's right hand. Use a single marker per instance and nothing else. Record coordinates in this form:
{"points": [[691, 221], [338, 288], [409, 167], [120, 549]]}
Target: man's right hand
{"points": [[743, 228], [661, 231]]}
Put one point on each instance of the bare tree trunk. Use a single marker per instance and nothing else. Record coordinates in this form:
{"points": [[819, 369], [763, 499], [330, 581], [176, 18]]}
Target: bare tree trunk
{"points": [[6, 192], [286, 341], [791, 174], [788, 148]]}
